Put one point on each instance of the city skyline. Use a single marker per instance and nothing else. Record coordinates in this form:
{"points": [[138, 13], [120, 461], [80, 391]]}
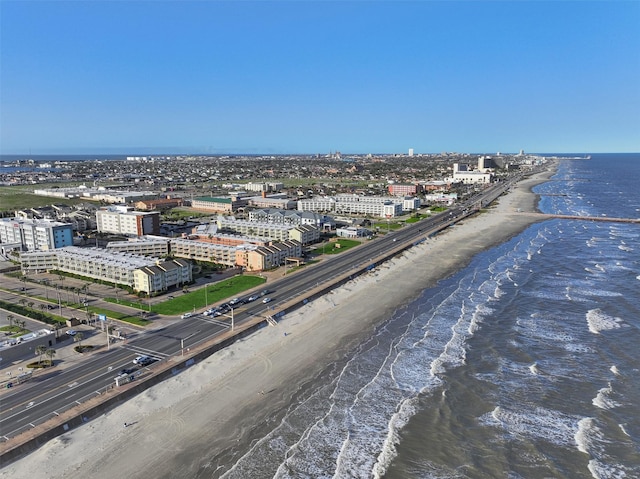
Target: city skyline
{"points": [[311, 77]]}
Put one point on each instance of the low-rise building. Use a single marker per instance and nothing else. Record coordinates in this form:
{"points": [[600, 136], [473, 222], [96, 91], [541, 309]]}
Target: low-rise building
{"points": [[104, 265], [158, 204], [260, 258]]}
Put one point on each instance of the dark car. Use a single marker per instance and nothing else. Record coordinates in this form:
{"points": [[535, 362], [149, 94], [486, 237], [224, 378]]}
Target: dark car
{"points": [[128, 371]]}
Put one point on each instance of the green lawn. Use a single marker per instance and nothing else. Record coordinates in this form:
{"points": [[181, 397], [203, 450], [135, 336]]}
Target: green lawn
{"points": [[342, 244], [15, 197], [184, 302]]}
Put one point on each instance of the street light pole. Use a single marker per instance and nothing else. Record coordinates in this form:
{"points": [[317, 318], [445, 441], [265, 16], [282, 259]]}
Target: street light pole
{"points": [[182, 341]]}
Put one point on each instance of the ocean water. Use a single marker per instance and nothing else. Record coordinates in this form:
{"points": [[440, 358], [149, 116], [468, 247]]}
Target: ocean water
{"points": [[525, 364]]}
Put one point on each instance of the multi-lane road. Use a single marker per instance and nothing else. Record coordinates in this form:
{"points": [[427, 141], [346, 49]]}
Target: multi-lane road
{"points": [[34, 403]]}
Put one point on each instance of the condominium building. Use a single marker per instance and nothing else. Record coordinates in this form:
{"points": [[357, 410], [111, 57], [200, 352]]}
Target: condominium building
{"points": [[461, 173], [398, 189], [288, 217], [277, 232], [162, 276], [124, 221], [203, 251], [214, 205], [144, 246], [259, 258], [103, 265], [35, 235], [380, 206]]}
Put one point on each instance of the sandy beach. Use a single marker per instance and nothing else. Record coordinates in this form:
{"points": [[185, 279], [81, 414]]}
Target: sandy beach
{"points": [[215, 403]]}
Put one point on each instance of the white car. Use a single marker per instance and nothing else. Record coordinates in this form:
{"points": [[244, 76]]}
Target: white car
{"points": [[266, 300], [143, 360], [186, 315], [72, 332]]}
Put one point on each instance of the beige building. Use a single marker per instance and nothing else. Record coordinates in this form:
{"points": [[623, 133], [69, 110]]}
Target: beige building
{"points": [[162, 276], [260, 258]]}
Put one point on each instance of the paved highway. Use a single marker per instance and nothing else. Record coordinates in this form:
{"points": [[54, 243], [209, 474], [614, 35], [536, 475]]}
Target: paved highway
{"points": [[35, 402]]}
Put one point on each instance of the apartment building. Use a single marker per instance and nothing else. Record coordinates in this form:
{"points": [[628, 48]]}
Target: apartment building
{"points": [[203, 251], [34, 235], [104, 265], [125, 221], [144, 246], [260, 258], [162, 276]]}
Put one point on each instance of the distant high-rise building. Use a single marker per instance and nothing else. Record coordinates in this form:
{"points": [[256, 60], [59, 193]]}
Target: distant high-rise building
{"points": [[410, 151]]}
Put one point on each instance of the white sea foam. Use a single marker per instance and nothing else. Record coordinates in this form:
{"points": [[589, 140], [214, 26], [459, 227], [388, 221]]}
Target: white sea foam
{"points": [[603, 399], [586, 435], [614, 370], [534, 369], [623, 428], [599, 321], [602, 470], [539, 423]]}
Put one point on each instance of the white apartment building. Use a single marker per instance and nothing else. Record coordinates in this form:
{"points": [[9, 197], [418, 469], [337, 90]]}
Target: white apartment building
{"points": [[462, 174], [275, 232], [35, 235], [203, 251], [317, 203], [288, 217], [381, 206], [100, 264], [144, 246]]}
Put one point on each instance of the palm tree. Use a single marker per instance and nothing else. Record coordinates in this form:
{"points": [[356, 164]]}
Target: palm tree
{"points": [[43, 307], [40, 350], [31, 303], [90, 316], [23, 278], [50, 354], [78, 339], [22, 301], [45, 282], [21, 323], [10, 318]]}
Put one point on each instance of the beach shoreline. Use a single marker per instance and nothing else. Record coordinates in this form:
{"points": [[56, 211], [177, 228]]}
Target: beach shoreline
{"points": [[216, 404]]}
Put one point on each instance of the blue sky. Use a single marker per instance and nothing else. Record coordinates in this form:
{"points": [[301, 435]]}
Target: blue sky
{"points": [[313, 77]]}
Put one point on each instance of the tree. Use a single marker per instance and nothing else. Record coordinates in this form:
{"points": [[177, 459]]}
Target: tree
{"points": [[10, 318], [22, 301], [40, 350], [30, 304], [43, 307], [23, 278], [78, 339], [21, 323], [50, 354], [45, 282]]}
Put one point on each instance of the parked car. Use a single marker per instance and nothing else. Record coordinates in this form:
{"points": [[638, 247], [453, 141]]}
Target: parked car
{"points": [[234, 301], [72, 332], [186, 315]]}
